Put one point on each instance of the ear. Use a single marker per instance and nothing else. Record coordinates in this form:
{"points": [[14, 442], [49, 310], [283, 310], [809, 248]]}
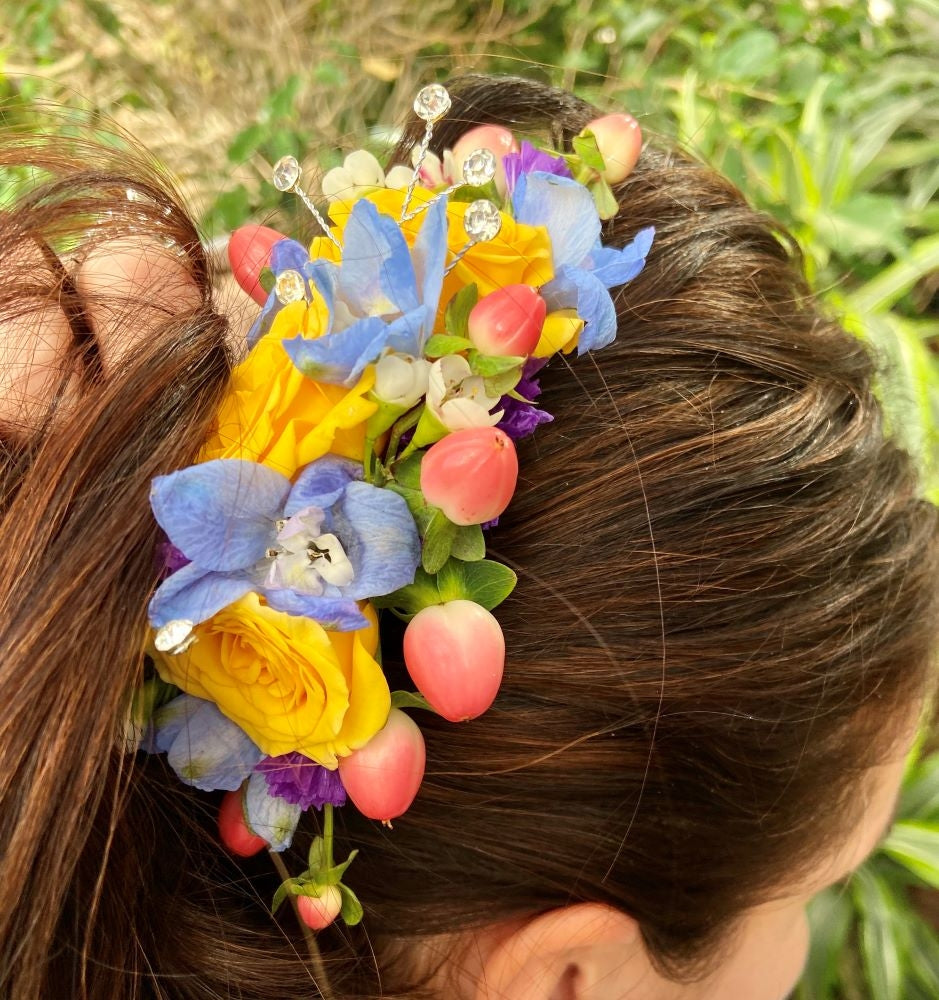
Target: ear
{"points": [[582, 952]]}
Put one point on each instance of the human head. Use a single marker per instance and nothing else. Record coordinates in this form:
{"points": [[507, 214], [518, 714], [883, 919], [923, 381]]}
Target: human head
{"points": [[722, 623]]}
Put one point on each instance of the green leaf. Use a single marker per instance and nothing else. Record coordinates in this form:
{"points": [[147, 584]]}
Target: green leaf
{"points": [[915, 846], [830, 919], [458, 310], [604, 199], [351, 912], [266, 279], [469, 544], [279, 897], [317, 856], [442, 344], [408, 472], [246, 143], [920, 797], [881, 949], [500, 385], [752, 55], [333, 876], [485, 582], [438, 541], [881, 292], [409, 699], [489, 365], [585, 146], [422, 593]]}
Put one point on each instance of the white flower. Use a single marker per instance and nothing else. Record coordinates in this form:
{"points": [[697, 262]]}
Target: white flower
{"points": [[360, 172], [457, 398], [399, 177], [401, 379]]}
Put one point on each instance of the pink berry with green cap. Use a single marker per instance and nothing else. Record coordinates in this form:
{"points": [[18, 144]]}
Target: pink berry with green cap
{"points": [[470, 474], [233, 829], [383, 777], [249, 252], [498, 140], [455, 654], [619, 140], [508, 321], [320, 911]]}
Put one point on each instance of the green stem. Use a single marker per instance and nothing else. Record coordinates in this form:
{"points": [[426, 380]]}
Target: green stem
{"points": [[328, 834], [399, 428]]}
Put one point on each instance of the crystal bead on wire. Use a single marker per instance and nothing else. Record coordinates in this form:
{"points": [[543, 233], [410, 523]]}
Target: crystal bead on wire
{"points": [[432, 102], [479, 167], [290, 286], [174, 637], [482, 220], [286, 173]]}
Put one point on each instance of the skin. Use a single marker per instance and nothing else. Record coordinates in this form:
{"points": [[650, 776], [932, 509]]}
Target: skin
{"points": [[578, 952]]}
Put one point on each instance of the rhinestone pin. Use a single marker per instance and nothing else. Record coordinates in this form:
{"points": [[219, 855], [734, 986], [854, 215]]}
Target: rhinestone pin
{"points": [[290, 286], [175, 637], [286, 173], [432, 102], [479, 167], [482, 221]]}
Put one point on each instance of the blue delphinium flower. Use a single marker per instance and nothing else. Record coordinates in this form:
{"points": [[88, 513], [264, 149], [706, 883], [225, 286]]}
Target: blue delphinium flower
{"points": [[382, 295], [313, 548], [286, 255], [584, 270]]}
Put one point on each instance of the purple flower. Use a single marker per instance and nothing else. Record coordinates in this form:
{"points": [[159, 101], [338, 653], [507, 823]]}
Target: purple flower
{"points": [[300, 781], [528, 159], [520, 418], [169, 559]]}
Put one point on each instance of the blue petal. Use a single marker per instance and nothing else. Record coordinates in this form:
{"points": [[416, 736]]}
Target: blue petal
{"points": [[408, 333], [210, 752], [341, 357], [429, 254], [616, 267], [322, 483], [172, 718], [196, 595], [377, 276], [288, 255], [380, 538], [565, 208], [270, 816], [334, 613], [264, 321], [325, 276], [220, 514], [573, 288]]}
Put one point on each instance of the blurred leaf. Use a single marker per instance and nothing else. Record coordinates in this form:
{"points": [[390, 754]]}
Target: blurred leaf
{"points": [[831, 916], [750, 56], [883, 291], [915, 846], [920, 796], [881, 948]]}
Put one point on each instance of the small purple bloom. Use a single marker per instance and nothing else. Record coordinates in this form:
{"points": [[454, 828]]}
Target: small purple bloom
{"points": [[520, 418], [300, 781], [528, 159]]}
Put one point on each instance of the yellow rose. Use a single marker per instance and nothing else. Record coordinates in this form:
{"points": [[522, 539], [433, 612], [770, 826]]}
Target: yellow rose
{"points": [[285, 680], [519, 255], [275, 415]]}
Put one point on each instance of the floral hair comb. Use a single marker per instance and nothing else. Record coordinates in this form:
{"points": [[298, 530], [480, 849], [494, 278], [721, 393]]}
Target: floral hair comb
{"points": [[364, 448]]}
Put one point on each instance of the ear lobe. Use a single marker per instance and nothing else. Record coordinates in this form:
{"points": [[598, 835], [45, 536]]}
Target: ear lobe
{"points": [[583, 952]]}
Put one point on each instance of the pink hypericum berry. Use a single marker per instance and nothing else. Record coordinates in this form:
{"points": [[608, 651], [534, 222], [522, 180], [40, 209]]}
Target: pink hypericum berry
{"points": [[620, 142], [495, 138], [470, 474], [234, 831], [249, 252], [455, 654], [320, 911], [508, 321], [383, 777]]}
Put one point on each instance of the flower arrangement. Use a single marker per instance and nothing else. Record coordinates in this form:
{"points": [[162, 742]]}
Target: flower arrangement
{"points": [[366, 445]]}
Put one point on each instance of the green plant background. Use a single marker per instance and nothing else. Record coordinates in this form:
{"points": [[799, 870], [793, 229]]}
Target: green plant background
{"points": [[825, 113]]}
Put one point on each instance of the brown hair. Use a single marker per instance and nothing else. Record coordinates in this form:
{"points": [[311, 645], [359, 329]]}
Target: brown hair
{"points": [[725, 599]]}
